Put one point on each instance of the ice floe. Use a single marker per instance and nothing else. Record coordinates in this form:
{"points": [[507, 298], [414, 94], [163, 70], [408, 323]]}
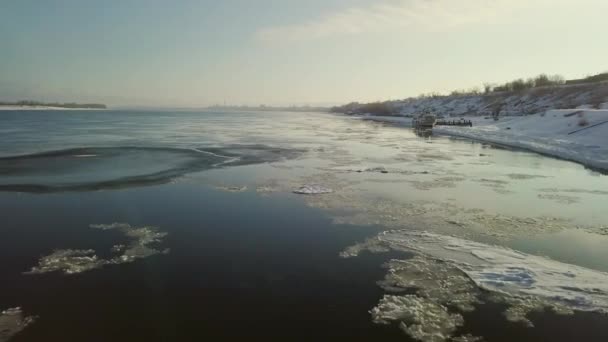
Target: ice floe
{"points": [[68, 261], [233, 188], [575, 191], [523, 176], [348, 207], [426, 320], [71, 261], [312, 189], [450, 276], [12, 321], [432, 279], [433, 312], [468, 338], [563, 199], [504, 270]]}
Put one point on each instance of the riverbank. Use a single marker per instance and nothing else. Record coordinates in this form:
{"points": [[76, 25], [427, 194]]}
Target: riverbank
{"points": [[579, 135]]}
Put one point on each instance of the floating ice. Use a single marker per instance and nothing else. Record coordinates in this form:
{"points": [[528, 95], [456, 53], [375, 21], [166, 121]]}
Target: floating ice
{"points": [[563, 199], [379, 169], [420, 317], [139, 248], [539, 280], [520, 307], [433, 279], [575, 191], [432, 312], [232, 188], [499, 186], [467, 338], [523, 176], [12, 322], [312, 189], [265, 189], [71, 261], [347, 207], [449, 272], [443, 182]]}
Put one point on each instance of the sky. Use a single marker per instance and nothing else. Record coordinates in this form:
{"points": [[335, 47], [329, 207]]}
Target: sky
{"points": [[191, 53]]}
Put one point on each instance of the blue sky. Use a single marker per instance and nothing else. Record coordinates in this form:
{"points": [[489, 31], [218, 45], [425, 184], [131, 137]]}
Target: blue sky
{"points": [[195, 53]]}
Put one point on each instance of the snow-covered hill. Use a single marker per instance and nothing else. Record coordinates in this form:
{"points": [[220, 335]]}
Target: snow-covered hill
{"points": [[532, 101]]}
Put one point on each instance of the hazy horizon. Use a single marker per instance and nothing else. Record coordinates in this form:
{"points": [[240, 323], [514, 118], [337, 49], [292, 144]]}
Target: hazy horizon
{"points": [[200, 53]]}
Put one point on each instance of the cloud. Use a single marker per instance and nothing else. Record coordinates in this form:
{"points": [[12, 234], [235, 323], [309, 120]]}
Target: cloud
{"points": [[434, 15]]}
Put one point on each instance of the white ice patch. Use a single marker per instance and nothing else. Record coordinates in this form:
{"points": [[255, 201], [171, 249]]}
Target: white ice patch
{"points": [[433, 312], [12, 322], [72, 261], [421, 318], [504, 270], [435, 280], [467, 338], [69, 261], [447, 274], [312, 189], [233, 188]]}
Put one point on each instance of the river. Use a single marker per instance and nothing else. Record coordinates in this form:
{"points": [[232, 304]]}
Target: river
{"points": [[183, 225]]}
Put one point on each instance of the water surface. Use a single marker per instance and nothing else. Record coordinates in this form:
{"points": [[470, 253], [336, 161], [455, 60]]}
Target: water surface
{"points": [[247, 257]]}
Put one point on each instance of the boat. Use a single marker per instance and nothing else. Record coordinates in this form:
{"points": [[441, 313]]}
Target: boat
{"points": [[425, 120]]}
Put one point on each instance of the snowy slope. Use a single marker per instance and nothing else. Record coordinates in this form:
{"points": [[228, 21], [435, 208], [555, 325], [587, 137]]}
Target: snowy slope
{"points": [[529, 102], [534, 119]]}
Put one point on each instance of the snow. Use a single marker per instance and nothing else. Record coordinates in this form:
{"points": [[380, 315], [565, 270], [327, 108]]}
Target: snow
{"points": [[552, 133]]}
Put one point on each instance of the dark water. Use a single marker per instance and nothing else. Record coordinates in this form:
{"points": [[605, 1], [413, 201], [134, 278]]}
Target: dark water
{"points": [[240, 264]]}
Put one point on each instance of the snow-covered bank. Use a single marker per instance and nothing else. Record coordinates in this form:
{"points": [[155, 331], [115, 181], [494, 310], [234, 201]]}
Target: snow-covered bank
{"points": [[579, 135], [572, 134]]}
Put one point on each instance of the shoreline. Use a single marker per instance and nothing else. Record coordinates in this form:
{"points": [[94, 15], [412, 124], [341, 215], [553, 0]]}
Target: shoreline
{"points": [[538, 133], [571, 156], [24, 108]]}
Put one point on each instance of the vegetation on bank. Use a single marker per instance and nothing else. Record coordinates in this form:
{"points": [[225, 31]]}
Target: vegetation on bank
{"points": [[542, 81], [603, 77], [71, 105]]}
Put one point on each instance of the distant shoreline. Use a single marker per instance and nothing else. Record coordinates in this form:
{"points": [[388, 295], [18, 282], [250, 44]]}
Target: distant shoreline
{"points": [[15, 108]]}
